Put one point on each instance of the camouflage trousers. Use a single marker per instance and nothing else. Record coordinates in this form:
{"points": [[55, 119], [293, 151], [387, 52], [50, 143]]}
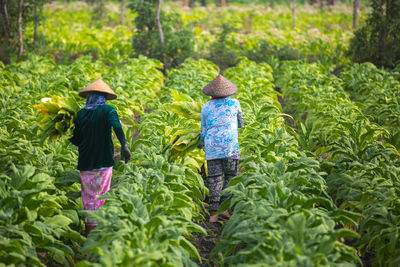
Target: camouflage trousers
{"points": [[220, 172]]}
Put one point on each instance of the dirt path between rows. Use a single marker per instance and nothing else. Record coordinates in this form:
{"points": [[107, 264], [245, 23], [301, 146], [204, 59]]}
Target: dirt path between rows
{"points": [[205, 244]]}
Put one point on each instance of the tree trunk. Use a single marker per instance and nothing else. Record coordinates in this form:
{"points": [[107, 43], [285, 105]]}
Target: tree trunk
{"points": [[185, 3], [383, 32], [122, 12], [20, 39], [355, 13], [6, 17], [160, 31], [321, 4], [294, 13], [102, 11], [223, 2], [3, 18], [35, 22], [380, 35]]}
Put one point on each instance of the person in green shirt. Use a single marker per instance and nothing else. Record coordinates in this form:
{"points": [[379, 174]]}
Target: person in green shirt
{"points": [[93, 136]]}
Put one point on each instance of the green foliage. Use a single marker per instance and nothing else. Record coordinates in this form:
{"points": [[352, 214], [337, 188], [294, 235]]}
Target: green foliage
{"points": [[378, 40], [185, 140], [282, 214], [148, 216], [220, 53], [264, 51], [36, 217], [57, 117], [40, 194], [67, 32], [379, 92], [178, 139], [9, 24], [178, 43], [190, 78], [361, 168], [260, 34], [317, 96]]}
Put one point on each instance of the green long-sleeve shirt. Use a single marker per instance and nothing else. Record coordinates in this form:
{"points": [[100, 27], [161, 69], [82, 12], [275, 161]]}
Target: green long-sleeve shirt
{"points": [[93, 137]]}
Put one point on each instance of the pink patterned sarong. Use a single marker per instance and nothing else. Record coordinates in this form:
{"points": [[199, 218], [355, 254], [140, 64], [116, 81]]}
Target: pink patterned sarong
{"points": [[94, 184]]}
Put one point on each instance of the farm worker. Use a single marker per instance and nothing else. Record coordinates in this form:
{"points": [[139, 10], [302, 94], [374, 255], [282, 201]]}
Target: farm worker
{"points": [[220, 119], [92, 135]]}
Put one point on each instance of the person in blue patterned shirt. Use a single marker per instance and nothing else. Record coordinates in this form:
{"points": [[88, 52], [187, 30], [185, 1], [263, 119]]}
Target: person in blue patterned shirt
{"points": [[220, 119]]}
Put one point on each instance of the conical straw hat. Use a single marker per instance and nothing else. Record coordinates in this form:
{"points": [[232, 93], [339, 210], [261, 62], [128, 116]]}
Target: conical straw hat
{"points": [[98, 86], [220, 87]]}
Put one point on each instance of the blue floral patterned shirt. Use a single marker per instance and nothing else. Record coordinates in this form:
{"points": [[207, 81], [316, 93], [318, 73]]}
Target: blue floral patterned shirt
{"points": [[220, 120]]}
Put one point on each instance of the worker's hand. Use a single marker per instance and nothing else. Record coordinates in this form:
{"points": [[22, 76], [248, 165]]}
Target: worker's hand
{"points": [[125, 154]]}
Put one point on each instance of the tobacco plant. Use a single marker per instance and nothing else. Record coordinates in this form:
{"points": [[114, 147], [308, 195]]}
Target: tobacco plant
{"points": [[377, 91], [361, 168], [282, 214]]}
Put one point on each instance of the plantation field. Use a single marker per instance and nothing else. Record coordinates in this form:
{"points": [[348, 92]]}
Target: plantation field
{"points": [[319, 171], [68, 31]]}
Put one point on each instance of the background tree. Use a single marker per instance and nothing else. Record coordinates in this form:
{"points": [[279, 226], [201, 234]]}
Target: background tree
{"points": [[160, 31], [173, 46], [331, 2], [356, 4], [294, 13], [20, 34], [99, 11], [378, 41], [14, 16], [123, 12], [220, 52]]}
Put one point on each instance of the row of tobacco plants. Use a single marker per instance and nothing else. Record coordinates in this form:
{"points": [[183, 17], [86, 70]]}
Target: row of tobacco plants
{"points": [[282, 212], [148, 216], [149, 213], [377, 92], [361, 168]]}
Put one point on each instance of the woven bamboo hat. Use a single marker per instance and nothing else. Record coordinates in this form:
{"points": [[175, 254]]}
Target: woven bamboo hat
{"points": [[98, 86], [220, 87]]}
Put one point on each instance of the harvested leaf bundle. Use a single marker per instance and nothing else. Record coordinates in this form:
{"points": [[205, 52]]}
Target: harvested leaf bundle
{"points": [[189, 110], [184, 106], [184, 141], [187, 139], [56, 117]]}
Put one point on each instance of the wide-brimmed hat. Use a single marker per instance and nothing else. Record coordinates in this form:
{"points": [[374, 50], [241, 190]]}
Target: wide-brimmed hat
{"points": [[98, 86], [220, 87]]}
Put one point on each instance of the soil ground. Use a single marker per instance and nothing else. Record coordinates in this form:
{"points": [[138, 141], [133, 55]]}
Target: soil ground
{"points": [[205, 244]]}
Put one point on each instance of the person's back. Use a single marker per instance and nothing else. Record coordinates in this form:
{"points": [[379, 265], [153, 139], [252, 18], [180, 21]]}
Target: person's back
{"points": [[220, 119], [93, 136]]}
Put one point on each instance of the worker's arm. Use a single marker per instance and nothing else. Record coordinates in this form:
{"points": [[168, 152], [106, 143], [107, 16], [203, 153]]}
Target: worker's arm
{"points": [[240, 117], [75, 139], [203, 129], [116, 125]]}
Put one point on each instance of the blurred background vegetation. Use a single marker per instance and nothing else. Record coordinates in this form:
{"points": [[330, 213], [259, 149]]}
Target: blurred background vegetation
{"points": [[221, 31]]}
